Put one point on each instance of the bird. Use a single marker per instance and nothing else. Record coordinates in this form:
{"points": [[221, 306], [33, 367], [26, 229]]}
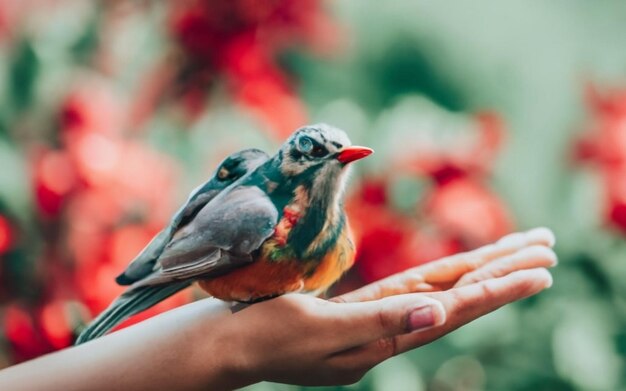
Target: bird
{"points": [[135, 300], [229, 170], [279, 228]]}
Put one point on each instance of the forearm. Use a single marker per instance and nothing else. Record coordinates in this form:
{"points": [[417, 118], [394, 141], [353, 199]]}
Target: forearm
{"points": [[175, 350]]}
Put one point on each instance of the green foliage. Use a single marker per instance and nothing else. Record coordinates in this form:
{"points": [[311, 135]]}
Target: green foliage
{"points": [[87, 43], [24, 70]]}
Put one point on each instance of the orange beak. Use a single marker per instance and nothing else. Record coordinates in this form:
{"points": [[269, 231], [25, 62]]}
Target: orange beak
{"points": [[350, 154]]}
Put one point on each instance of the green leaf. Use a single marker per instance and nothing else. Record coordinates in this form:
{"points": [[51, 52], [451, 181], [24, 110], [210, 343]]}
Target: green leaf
{"points": [[23, 73], [4, 129], [87, 42]]}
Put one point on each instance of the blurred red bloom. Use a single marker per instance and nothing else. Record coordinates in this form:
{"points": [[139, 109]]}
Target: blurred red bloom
{"points": [[461, 203], [21, 332], [395, 243], [241, 40], [55, 324], [54, 178], [204, 28], [260, 85], [389, 242], [604, 145], [11, 14], [32, 332], [468, 210], [92, 106], [471, 154], [6, 235], [457, 211], [113, 192], [96, 285]]}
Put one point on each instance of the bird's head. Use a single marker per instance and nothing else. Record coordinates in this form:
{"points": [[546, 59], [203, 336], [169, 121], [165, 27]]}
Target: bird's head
{"points": [[315, 158], [238, 164], [318, 150], [314, 162]]}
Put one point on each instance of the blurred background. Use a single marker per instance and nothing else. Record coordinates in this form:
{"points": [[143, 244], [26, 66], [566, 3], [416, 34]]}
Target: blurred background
{"points": [[486, 116]]}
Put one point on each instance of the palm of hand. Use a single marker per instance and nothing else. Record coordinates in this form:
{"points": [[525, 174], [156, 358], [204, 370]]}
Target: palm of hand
{"points": [[304, 333]]}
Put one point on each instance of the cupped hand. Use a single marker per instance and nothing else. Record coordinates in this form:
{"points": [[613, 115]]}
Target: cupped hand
{"points": [[304, 340], [518, 251]]}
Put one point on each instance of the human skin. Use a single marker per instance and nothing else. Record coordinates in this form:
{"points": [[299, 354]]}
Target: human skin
{"points": [[295, 338]]}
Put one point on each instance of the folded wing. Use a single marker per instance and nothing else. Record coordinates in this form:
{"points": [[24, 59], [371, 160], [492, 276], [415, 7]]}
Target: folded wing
{"points": [[221, 237]]}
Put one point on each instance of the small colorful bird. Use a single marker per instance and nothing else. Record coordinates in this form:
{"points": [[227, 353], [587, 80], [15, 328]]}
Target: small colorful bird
{"points": [[280, 228], [131, 302]]}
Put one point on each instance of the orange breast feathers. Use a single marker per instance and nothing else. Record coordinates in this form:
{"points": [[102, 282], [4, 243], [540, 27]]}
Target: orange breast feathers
{"points": [[262, 278], [266, 277], [336, 262]]}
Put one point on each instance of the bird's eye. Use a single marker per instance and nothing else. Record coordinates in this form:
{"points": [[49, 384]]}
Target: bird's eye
{"points": [[319, 151], [305, 144], [222, 173]]}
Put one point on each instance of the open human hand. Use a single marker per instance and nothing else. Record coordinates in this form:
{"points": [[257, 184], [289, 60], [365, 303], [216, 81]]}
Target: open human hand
{"points": [[518, 251], [304, 340]]}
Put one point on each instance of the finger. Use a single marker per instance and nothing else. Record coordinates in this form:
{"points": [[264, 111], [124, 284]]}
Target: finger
{"points": [[453, 267], [373, 320], [462, 305], [424, 278], [470, 302], [528, 258], [411, 280]]}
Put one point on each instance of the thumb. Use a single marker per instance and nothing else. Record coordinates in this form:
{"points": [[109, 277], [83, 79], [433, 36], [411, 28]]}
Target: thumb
{"points": [[372, 320]]}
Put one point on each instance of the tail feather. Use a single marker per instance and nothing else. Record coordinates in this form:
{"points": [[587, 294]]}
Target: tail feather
{"points": [[129, 303]]}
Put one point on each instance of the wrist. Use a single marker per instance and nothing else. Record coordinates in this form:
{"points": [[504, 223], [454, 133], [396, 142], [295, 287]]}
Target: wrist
{"points": [[220, 352]]}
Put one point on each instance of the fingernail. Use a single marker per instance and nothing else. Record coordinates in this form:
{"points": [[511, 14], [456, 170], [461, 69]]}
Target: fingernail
{"points": [[421, 318], [541, 234], [549, 280], [537, 252], [514, 240]]}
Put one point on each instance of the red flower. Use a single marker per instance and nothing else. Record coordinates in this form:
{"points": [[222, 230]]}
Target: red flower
{"points": [[394, 243], [54, 178], [92, 106], [460, 202], [456, 212], [55, 324], [241, 41], [615, 198], [604, 145], [197, 28], [21, 332], [466, 209], [6, 235], [33, 332], [472, 153], [96, 285], [388, 242]]}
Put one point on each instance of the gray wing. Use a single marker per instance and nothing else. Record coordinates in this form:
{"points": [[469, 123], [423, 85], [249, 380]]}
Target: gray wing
{"points": [[239, 164], [144, 262], [220, 238], [196, 201]]}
